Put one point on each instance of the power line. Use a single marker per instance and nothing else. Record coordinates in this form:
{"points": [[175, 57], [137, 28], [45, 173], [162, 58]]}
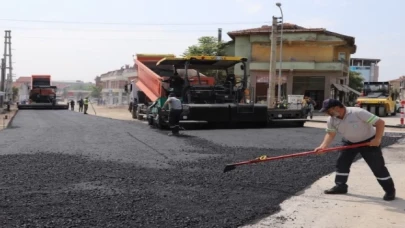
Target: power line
{"points": [[109, 30], [121, 23], [98, 38], [166, 41]]}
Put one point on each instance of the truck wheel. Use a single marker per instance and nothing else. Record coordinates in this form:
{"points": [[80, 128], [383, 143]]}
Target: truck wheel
{"points": [[373, 110], [150, 120], [130, 107], [138, 116], [382, 111], [157, 122], [134, 114]]}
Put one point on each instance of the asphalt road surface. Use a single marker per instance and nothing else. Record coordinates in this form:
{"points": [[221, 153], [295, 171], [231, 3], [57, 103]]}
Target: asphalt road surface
{"points": [[67, 169]]}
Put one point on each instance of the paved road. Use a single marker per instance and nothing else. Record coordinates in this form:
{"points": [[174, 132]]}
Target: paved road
{"points": [[63, 168]]}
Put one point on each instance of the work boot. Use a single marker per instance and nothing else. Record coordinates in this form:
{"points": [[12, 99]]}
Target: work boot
{"points": [[337, 189], [389, 196]]}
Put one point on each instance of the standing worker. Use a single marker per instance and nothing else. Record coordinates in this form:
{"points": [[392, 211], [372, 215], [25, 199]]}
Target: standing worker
{"points": [[86, 104], [311, 107], [175, 109], [80, 105], [72, 105], [356, 126]]}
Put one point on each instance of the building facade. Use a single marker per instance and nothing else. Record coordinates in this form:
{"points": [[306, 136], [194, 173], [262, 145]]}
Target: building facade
{"points": [[98, 81], [113, 83], [402, 87], [368, 68], [315, 62]]}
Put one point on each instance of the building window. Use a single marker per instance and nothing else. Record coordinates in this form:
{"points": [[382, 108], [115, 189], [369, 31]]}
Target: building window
{"points": [[342, 56]]}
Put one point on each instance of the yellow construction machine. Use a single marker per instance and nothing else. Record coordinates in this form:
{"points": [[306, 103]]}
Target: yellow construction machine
{"points": [[378, 98]]}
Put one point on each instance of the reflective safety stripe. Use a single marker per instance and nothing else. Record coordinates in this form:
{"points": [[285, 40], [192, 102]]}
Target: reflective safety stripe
{"points": [[383, 178], [373, 119], [342, 174], [330, 130]]}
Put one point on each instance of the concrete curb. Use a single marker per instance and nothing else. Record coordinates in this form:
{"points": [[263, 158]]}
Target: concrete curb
{"points": [[387, 125], [10, 120]]}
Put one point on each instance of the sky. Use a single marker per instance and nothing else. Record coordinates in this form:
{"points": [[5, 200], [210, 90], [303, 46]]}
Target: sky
{"points": [[78, 40]]}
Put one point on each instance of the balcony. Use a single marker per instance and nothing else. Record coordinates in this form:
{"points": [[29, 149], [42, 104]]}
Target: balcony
{"points": [[303, 65]]}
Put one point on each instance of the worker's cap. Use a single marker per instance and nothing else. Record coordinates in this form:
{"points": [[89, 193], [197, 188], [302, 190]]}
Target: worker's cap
{"points": [[329, 103], [172, 95]]}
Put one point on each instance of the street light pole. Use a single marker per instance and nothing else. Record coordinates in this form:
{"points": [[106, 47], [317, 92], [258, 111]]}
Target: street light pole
{"points": [[281, 53]]}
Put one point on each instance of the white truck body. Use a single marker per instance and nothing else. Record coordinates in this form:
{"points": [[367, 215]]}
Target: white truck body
{"points": [[23, 93], [133, 91]]}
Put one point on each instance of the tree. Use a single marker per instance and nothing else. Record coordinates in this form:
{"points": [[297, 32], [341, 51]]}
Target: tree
{"points": [[207, 45], [81, 86], [356, 83], [15, 92], [396, 94], [96, 91]]}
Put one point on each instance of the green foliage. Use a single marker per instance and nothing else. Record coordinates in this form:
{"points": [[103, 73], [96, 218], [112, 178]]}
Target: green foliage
{"points": [[81, 86], [96, 91], [15, 92], [396, 94], [356, 83], [208, 45]]}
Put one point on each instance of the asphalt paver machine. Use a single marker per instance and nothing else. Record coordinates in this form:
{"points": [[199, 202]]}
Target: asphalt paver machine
{"points": [[42, 95], [213, 102]]}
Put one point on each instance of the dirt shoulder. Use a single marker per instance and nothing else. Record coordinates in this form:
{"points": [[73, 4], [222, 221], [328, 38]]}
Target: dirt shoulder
{"points": [[114, 112], [6, 117]]}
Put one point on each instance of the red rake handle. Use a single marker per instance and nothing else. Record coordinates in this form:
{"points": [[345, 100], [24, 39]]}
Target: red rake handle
{"points": [[257, 160]]}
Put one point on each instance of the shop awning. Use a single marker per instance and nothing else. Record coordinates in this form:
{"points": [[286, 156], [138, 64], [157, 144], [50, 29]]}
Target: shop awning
{"points": [[345, 88], [351, 90], [339, 87]]}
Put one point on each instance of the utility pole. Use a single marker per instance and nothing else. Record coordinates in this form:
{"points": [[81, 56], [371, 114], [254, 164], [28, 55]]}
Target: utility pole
{"points": [[2, 80], [218, 54], [272, 70], [281, 52], [219, 35], [7, 56]]}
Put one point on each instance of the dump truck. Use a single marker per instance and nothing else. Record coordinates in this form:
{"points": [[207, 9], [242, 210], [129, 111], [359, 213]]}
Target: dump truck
{"points": [[42, 95], [378, 98], [148, 86], [208, 100]]}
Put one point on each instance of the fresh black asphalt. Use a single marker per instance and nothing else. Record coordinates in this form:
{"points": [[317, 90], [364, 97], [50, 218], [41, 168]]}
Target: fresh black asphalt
{"points": [[66, 169]]}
